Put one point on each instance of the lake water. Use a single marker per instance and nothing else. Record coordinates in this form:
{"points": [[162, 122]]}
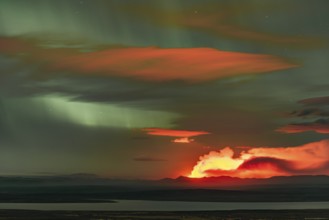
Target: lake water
{"points": [[141, 205]]}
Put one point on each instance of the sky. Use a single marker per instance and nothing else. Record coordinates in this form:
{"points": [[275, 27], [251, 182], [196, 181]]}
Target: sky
{"points": [[150, 89]]}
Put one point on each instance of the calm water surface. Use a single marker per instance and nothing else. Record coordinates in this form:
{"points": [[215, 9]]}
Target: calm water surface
{"points": [[141, 205]]}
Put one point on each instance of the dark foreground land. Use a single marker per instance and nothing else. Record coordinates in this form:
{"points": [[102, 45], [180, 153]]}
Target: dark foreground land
{"points": [[90, 189], [196, 215]]}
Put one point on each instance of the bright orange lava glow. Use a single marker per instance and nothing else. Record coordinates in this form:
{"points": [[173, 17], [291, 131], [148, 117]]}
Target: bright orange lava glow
{"points": [[308, 159], [222, 160]]}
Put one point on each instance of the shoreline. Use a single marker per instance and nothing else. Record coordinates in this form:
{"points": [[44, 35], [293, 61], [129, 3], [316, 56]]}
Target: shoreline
{"points": [[236, 214]]}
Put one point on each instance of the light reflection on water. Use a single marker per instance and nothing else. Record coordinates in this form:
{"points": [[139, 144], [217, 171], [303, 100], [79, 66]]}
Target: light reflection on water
{"points": [[141, 205]]}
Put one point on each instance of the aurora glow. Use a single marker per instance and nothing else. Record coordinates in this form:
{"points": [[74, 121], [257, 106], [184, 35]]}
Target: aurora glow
{"points": [[102, 86], [110, 115]]}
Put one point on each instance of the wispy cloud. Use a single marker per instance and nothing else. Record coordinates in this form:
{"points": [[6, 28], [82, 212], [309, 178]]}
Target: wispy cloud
{"points": [[315, 101], [221, 19], [173, 133], [315, 108], [319, 126], [183, 136]]}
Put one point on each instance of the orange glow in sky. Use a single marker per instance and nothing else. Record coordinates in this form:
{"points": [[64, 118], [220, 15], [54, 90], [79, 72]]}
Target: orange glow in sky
{"points": [[308, 159], [183, 140], [222, 160], [173, 133], [182, 136]]}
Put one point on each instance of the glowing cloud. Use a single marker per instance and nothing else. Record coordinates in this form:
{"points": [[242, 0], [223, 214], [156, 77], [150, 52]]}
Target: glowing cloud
{"points": [[160, 64], [308, 159], [222, 160], [183, 140], [182, 134], [146, 63], [173, 133], [316, 109], [320, 126]]}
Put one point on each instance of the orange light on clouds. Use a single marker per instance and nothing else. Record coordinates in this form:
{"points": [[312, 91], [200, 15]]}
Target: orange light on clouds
{"points": [[184, 140], [183, 136], [173, 133], [299, 128], [308, 159], [165, 64], [146, 63], [222, 160]]}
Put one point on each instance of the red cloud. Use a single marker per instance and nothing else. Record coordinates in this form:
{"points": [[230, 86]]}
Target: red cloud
{"points": [[318, 107], [162, 64], [315, 101], [257, 167], [309, 159], [183, 140], [173, 133], [183, 135], [319, 126], [258, 163], [146, 63]]}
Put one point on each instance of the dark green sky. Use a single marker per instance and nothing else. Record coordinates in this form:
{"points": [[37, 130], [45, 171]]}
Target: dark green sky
{"points": [[81, 81]]}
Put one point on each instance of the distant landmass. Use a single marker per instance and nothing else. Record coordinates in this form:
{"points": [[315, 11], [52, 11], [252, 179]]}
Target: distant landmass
{"points": [[92, 188]]}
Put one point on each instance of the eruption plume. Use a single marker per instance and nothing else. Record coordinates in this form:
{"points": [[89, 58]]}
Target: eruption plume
{"points": [[308, 159]]}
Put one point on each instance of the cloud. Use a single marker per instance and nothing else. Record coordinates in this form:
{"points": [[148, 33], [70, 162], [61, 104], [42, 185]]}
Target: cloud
{"points": [[159, 64], [319, 126], [173, 133], [260, 162], [260, 167], [315, 108], [144, 63], [309, 112], [183, 135], [315, 101], [148, 159], [184, 140], [264, 162]]}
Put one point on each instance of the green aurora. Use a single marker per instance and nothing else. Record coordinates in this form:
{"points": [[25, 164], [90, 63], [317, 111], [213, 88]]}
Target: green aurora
{"points": [[65, 107]]}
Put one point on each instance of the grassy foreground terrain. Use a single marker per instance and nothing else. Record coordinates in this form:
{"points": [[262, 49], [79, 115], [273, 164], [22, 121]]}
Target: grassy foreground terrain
{"points": [[196, 215]]}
